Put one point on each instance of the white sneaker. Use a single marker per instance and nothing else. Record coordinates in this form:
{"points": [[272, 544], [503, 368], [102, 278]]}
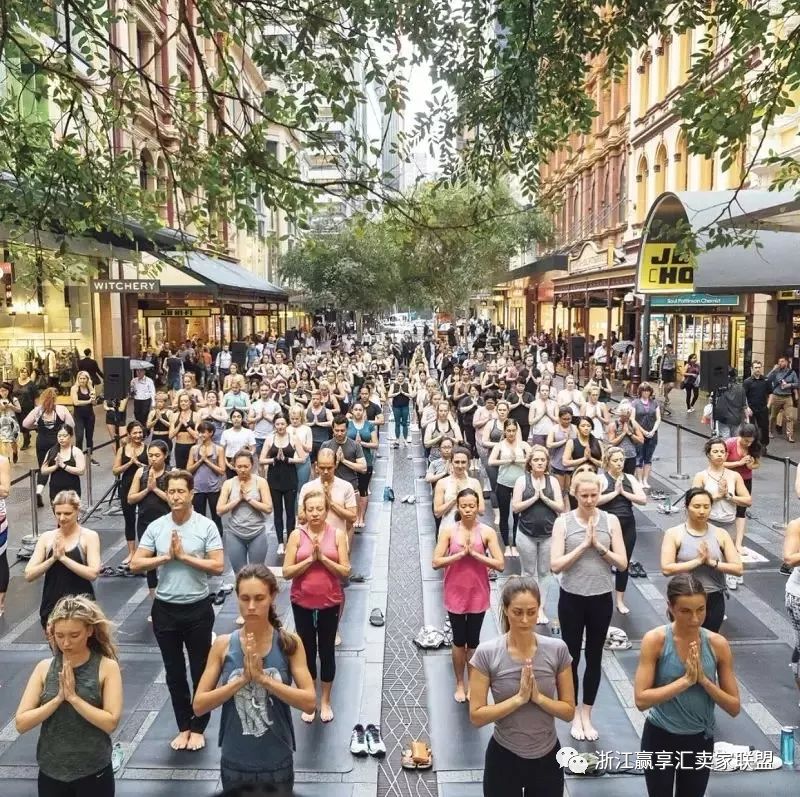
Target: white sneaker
{"points": [[739, 579], [375, 744], [731, 582], [281, 549], [358, 742]]}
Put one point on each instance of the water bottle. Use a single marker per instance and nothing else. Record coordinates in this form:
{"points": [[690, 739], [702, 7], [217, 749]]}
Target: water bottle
{"points": [[555, 629], [787, 746]]}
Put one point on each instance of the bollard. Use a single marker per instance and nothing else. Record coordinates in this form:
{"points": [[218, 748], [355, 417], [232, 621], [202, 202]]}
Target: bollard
{"points": [[34, 507], [89, 454], [787, 467], [678, 456]]}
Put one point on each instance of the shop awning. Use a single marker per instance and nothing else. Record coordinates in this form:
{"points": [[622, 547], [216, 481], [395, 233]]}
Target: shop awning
{"points": [[217, 276], [766, 263], [554, 262]]}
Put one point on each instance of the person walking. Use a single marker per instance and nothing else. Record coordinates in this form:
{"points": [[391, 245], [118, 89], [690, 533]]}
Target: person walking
{"points": [[46, 419], [68, 556], [76, 698], [207, 464], [316, 562], [730, 406], [247, 497], [619, 492], [148, 493], [130, 456], [466, 550], [537, 500], [587, 543], [684, 672], [669, 365], [24, 390], [509, 456], [257, 674], [530, 678], [64, 464], [281, 459], [91, 366], [187, 549], [784, 388], [705, 550], [691, 382], [756, 391], [84, 398]]}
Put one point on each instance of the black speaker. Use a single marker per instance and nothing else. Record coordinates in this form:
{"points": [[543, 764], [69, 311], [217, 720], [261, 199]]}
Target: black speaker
{"points": [[713, 369], [577, 347], [116, 378], [239, 355]]}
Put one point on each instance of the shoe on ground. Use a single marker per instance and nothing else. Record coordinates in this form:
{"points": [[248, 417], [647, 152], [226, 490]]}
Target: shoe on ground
{"points": [[39, 500], [281, 550], [786, 570], [691, 409], [375, 744], [219, 598], [376, 618], [94, 462], [731, 583]]}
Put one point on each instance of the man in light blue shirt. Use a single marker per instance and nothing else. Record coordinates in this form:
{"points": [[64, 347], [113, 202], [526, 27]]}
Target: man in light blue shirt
{"points": [[187, 548]]}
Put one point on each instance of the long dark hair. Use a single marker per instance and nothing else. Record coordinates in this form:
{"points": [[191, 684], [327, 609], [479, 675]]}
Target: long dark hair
{"points": [[751, 431], [680, 585], [514, 586], [261, 572]]}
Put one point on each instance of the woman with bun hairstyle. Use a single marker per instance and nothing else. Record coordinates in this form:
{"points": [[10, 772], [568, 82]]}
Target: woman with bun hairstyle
{"points": [[684, 673], [466, 550]]}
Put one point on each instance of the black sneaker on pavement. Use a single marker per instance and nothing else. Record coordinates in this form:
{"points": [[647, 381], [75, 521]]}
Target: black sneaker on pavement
{"points": [[375, 744], [358, 742], [786, 570]]}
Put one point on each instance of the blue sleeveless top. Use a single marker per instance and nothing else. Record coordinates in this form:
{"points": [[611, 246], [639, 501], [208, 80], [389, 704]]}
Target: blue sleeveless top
{"points": [[256, 732], [691, 711]]}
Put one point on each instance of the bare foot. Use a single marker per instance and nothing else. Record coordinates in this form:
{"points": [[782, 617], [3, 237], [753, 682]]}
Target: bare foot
{"points": [[623, 609], [589, 731], [181, 741], [338, 639], [460, 695], [326, 713], [576, 732], [196, 741], [308, 717]]}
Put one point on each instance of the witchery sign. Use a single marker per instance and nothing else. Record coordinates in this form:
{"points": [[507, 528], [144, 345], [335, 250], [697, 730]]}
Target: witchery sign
{"points": [[126, 286]]}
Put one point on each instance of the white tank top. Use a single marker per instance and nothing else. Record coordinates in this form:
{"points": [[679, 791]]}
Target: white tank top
{"points": [[793, 584], [723, 510]]}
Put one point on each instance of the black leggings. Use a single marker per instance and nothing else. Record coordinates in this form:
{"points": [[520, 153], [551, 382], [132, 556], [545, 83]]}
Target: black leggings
{"points": [[182, 455], [129, 513], [504, 495], [591, 613], [691, 396], [283, 500], [630, 465], [715, 611], [5, 573], [469, 439], [43, 445], [507, 774], [317, 629], [199, 502], [84, 425], [681, 777], [466, 629], [152, 575], [628, 525], [100, 784]]}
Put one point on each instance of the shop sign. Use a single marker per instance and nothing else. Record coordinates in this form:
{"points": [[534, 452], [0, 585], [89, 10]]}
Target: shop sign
{"points": [[182, 312], [696, 299], [788, 296], [663, 270], [589, 258], [126, 286]]}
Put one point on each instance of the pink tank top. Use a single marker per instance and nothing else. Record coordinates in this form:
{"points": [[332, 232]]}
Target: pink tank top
{"points": [[466, 582], [317, 587]]}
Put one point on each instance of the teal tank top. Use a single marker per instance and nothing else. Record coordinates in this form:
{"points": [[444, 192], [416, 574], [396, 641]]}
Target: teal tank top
{"points": [[691, 711], [256, 732]]}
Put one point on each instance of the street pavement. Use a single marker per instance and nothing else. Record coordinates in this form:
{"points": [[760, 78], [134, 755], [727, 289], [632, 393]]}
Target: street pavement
{"points": [[415, 697]]}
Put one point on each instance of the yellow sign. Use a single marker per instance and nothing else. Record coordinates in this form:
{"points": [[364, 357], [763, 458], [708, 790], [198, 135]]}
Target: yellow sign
{"points": [[788, 295], [663, 270]]}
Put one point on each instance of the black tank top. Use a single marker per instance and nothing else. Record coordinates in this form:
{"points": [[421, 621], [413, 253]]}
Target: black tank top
{"points": [[84, 410], [60, 581], [619, 505], [161, 427], [282, 474], [537, 520], [127, 476], [151, 507]]}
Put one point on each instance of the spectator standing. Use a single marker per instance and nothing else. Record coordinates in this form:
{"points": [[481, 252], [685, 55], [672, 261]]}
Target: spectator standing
{"points": [[756, 390], [691, 382], [784, 386], [730, 406], [24, 390], [89, 364], [143, 391]]}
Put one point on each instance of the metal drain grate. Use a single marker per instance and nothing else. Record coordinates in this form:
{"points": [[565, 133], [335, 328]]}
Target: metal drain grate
{"points": [[404, 714]]}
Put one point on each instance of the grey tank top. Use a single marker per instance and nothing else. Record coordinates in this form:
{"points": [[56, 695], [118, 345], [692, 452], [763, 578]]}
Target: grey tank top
{"points": [[711, 579], [246, 522], [590, 575], [69, 746]]}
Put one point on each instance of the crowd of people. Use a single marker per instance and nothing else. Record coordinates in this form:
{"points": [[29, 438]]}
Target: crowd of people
{"points": [[284, 448]]}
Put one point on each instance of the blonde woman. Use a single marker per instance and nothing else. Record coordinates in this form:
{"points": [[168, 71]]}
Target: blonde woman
{"points": [[509, 457], [537, 501], [84, 398], [597, 412], [76, 697], [303, 442]]}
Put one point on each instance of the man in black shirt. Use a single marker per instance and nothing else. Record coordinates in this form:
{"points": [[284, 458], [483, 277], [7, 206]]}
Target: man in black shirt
{"points": [[530, 374], [519, 402], [350, 459], [757, 389], [89, 364]]}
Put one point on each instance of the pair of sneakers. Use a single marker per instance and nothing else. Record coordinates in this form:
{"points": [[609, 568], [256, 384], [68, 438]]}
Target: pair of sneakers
{"points": [[367, 741]]}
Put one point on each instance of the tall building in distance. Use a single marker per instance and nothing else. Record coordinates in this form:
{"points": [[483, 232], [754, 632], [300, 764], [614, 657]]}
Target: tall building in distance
{"points": [[391, 163]]}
